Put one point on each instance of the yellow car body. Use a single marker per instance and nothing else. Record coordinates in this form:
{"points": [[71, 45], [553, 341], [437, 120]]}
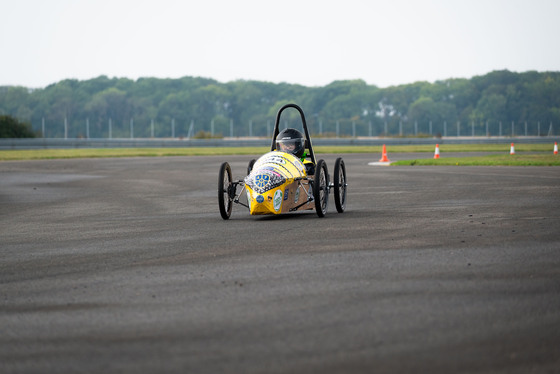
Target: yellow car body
{"points": [[277, 184]]}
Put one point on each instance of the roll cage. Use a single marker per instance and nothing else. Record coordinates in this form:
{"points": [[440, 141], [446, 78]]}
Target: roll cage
{"points": [[276, 131]]}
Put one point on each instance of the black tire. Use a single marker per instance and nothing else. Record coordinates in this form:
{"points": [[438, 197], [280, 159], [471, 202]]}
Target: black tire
{"points": [[340, 185], [224, 187], [321, 188], [250, 166]]}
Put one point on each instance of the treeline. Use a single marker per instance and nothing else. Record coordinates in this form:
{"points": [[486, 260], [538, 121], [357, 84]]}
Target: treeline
{"points": [[497, 103], [12, 128]]}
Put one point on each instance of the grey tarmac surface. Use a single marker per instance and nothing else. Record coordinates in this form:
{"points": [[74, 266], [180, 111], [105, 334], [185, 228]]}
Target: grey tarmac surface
{"points": [[125, 266]]}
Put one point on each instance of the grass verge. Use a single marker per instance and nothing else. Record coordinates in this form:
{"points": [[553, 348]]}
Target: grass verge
{"points": [[502, 159], [490, 160], [45, 154]]}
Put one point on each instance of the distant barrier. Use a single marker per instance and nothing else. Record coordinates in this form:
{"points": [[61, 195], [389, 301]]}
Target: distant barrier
{"points": [[54, 143]]}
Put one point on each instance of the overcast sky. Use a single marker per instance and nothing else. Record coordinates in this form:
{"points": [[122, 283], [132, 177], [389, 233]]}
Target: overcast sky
{"points": [[308, 42]]}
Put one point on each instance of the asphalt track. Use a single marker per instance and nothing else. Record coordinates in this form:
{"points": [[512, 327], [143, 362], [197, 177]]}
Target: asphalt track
{"points": [[125, 266]]}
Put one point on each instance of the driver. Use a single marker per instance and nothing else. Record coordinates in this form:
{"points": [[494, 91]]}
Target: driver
{"points": [[291, 141]]}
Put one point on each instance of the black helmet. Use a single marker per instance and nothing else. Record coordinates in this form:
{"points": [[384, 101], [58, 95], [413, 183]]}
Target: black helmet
{"points": [[290, 141]]}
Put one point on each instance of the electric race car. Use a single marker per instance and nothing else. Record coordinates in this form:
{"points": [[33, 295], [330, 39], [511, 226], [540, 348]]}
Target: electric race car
{"points": [[287, 179]]}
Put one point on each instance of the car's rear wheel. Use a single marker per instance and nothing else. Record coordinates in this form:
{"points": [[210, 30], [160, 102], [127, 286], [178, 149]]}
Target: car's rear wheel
{"points": [[224, 187], [340, 185], [321, 188]]}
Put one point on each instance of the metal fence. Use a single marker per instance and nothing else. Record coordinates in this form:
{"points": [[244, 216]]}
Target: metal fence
{"points": [[129, 129]]}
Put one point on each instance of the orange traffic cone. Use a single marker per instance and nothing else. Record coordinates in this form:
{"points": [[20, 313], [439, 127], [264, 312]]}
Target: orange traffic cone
{"points": [[384, 156], [436, 154], [512, 149], [555, 148]]}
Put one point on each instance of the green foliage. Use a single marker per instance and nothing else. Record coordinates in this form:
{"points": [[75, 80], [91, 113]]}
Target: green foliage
{"points": [[454, 106], [12, 128]]}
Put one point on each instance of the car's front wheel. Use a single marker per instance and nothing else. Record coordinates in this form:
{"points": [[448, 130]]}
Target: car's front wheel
{"points": [[321, 188], [224, 187]]}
